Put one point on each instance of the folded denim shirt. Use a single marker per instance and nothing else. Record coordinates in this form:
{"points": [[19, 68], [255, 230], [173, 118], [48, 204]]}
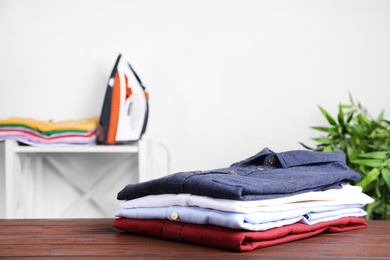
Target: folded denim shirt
{"points": [[265, 175]]}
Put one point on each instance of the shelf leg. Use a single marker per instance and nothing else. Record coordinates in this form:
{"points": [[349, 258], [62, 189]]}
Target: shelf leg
{"points": [[10, 167], [143, 148]]}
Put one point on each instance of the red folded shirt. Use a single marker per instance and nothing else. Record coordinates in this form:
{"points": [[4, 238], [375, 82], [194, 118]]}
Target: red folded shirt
{"points": [[239, 240]]}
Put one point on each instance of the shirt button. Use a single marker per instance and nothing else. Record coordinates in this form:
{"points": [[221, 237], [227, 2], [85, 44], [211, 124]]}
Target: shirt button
{"points": [[232, 172], [272, 160], [174, 215]]}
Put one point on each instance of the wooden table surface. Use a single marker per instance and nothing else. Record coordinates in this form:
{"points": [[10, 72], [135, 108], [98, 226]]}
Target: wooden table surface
{"points": [[97, 239]]}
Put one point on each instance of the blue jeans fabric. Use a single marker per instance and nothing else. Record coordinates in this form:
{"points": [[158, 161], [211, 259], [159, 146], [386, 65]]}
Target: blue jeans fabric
{"points": [[265, 175]]}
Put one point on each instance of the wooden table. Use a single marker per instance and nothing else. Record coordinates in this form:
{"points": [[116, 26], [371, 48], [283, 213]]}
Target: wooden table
{"points": [[97, 239]]}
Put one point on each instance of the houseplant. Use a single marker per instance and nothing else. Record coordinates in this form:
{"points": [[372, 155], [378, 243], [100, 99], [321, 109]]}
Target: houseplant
{"points": [[366, 143]]}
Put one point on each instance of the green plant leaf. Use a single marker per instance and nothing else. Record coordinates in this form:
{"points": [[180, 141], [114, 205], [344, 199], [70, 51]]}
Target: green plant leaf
{"points": [[371, 176], [380, 147], [327, 116], [350, 116], [347, 106], [371, 207], [380, 117], [307, 147], [340, 116], [386, 176], [364, 119], [350, 152], [330, 130], [327, 149], [368, 162], [356, 153], [374, 155], [323, 140], [378, 188], [357, 130], [351, 98]]}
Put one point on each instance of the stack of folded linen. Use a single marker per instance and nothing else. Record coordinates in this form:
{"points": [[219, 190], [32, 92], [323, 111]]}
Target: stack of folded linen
{"points": [[38, 132], [268, 199]]}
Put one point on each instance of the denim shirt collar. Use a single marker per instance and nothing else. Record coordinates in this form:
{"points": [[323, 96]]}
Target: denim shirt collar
{"points": [[291, 158]]}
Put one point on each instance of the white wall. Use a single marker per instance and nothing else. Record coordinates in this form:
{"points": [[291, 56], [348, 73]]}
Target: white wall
{"points": [[226, 77]]}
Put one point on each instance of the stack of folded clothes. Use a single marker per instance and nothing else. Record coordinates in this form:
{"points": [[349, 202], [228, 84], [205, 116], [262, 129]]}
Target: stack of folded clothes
{"points": [[267, 199], [38, 132]]}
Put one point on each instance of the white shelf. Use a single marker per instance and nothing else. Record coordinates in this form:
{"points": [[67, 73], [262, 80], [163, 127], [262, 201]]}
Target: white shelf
{"points": [[17, 155], [133, 148]]}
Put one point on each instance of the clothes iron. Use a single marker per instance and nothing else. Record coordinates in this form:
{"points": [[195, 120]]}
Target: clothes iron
{"points": [[124, 114]]}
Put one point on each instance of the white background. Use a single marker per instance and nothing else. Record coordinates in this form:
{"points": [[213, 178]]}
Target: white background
{"points": [[225, 77]]}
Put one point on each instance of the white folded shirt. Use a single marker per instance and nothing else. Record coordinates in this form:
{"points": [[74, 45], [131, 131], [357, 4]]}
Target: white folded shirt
{"points": [[256, 221], [348, 194]]}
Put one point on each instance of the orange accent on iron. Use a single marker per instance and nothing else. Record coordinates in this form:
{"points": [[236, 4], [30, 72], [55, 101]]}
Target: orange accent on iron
{"points": [[114, 110], [128, 89]]}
